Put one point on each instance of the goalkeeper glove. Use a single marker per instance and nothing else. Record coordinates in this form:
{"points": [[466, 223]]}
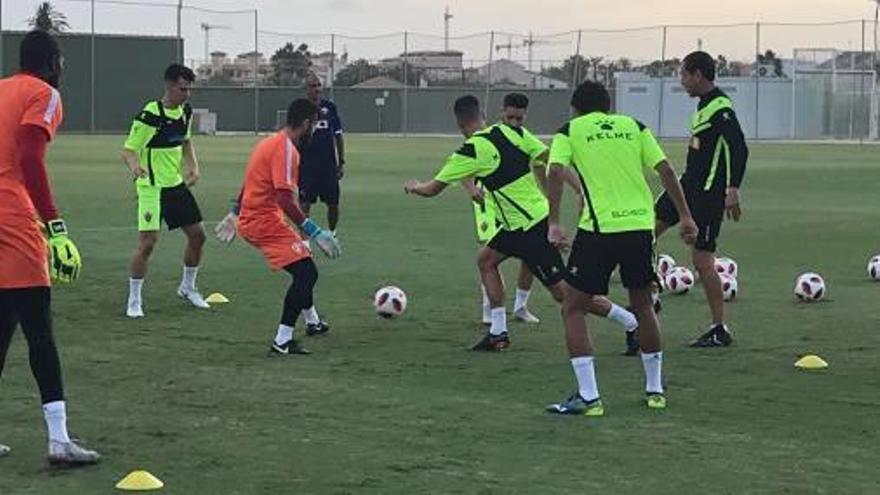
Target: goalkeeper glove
{"points": [[325, 240], [65, 262], [226, 229]]}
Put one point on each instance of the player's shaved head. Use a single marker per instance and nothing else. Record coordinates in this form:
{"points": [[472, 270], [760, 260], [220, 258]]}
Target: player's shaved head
{"points": [[589, 97], [40, 55], [300, 112], [467, 109]]}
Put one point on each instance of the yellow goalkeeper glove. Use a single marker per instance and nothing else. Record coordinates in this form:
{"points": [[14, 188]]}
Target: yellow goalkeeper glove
{"points": [[65, 262]]}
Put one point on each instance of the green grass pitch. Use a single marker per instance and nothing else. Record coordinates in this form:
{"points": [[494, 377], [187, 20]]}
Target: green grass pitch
{"points": [[400, 406]]}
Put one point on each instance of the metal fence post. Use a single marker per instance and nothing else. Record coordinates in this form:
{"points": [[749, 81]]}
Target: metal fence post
{"points": [[757, 78], [92, 72], [332, 83], [489, 69], [662, 81], [2, 67], [576, 76], [862, 80], [256, 71], [405, 103], [179, 32]]}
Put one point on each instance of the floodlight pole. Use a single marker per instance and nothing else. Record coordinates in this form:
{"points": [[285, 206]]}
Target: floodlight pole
{"points": [[576, 75], [332, 81], [489, 70], [757, 79], [662, 81], [2, 68], [405, 104], [862, 79], [179, 34]]}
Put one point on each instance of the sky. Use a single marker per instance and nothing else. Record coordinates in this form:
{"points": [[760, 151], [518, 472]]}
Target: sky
{"points": [[352, 20]]}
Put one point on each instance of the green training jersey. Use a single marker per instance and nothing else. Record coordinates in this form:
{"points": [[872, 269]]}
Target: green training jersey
{"points": [[499, 159], [610, 153], [157, 135]]}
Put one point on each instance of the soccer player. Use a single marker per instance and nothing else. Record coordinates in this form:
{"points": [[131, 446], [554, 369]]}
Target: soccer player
{"points": [[514, 111], [609, 153], [323, 156], [157, 145], [31, 115], [268, 195], [496, 157], [716, 165]]}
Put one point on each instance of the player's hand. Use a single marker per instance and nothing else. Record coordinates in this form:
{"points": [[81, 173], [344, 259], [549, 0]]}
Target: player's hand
{"points": [[192, 177], [138, 172], [731, 204], [477, 195], [410, 186], [65, 262], [340, 172], [689, 230], [556, 237], [325, 240], [226, 230], [581, 202]]}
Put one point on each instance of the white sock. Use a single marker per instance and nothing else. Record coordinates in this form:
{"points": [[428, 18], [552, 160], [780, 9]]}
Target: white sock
{"points": [[487, 307], [653, 364], [134, 289], [522, 298], [56, 421], [586, 377], [624, 317], [499, 320], [310, 315], [189, 278], [284, 335]]}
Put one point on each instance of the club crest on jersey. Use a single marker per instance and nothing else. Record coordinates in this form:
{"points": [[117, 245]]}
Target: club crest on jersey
{"points": [[148, 216], [325, 110]]}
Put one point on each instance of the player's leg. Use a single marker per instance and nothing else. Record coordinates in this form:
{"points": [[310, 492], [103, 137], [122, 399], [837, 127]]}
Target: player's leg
{"points": [[33, 308], [708, 214], [488, 259], [637, 274], [330, 195], [589, 270], [304, 276], [149, 218], [8, 323], [181, 211], [524, 282]]}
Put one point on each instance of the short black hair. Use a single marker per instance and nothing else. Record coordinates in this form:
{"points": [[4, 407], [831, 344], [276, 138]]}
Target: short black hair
{"points": [[175, 72], [591, 96], [467, 108], [38, 52], [299, 111], [700, 61], [516, 100]]}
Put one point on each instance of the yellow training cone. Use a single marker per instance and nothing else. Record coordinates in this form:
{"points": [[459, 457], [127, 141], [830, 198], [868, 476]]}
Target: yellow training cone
{"points": [[811, 362], [140, 481], [217, 298]]}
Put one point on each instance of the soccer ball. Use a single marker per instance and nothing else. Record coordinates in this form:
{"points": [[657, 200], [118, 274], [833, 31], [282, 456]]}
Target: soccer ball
{"points": [[726, 266], [679, 280], [665, 264], [390, 302], [729, 286], [810, 287], [874, 268]]}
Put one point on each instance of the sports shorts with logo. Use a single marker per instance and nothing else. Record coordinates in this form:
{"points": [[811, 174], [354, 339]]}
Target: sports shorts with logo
{"points": [[176, 206], [707, 208], [595, 256], [532, 247], [276, 240]]}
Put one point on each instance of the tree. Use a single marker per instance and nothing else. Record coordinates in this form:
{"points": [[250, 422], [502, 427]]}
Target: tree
{"points": [[573, 70], [356, 72], [290, 65], [769, 58], [48, 18]]}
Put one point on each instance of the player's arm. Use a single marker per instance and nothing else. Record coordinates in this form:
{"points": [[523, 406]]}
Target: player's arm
{"points": [[192, 163], [739, 156], [32, 142], [139, 134], [561, 159], [336, 125], [475, 193], [461, 165], [426, 189]]}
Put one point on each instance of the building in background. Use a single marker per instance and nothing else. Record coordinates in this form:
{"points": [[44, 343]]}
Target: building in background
{"points": [[509, 73]]}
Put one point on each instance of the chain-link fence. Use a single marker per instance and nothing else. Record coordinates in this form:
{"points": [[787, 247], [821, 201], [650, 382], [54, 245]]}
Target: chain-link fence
{"points": [[788, 81]]}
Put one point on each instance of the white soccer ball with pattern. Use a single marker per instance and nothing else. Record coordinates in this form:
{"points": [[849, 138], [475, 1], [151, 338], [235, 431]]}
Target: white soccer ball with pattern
{"points": [[810, 287], [679, 280], [390, 302], [726, 266], [665, 264], [729, 287], [874, 268]]}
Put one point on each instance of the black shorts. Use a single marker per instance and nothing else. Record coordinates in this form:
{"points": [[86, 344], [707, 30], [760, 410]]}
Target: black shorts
{"points": [[595, 256], [179, 207], [708, 212], [532, 247], [315, 186]]}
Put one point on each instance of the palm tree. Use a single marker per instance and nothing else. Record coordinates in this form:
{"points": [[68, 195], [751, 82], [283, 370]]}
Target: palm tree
{"points": [[48, 18]]}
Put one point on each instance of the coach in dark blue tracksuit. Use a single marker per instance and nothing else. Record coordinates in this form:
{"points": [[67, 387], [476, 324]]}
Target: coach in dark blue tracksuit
{"points": [[322, 157]]}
